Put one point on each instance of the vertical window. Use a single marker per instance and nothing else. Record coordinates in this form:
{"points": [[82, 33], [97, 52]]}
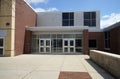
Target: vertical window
{"points": [[107, 39], [0, 5], [1, 42], [68, 19], [1, 46], [90, 19], [92, 43]]}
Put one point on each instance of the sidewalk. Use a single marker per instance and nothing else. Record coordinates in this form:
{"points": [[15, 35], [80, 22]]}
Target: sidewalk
{"points": [[48, 67]]}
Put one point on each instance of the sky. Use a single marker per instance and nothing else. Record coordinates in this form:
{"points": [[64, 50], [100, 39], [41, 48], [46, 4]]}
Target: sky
{"points": [[109, 9]]}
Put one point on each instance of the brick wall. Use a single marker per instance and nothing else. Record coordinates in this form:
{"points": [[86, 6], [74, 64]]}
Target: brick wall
{"points": [[115, 40], [27, 44], [24, 16], [99, 36]]}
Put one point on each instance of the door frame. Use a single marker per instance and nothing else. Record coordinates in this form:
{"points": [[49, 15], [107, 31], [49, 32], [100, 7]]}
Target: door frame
{"points": [[3, 45], [44, 46], [69, 46]]}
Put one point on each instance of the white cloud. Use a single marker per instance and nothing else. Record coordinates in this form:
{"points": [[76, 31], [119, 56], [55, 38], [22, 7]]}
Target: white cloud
{"points": [[108, 20], [52, 9], [36, 1], [44, 10], [39, 10]]}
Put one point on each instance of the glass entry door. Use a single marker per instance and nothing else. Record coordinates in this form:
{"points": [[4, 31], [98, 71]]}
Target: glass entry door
{"points": [[1, 46], [45, 45], [68, 45]]}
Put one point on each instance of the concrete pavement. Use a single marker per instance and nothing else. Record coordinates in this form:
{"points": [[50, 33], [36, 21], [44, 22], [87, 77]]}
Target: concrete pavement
{"points": [[48, 66]]}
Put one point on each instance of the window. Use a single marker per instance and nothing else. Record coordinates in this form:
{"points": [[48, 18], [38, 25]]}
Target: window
{"points": [[56, 45], [1, 46], [90, 19], [71, 43], [68, 19], [1, 42], [107, 39], [78, 43], [92, 43], [0, 5]]}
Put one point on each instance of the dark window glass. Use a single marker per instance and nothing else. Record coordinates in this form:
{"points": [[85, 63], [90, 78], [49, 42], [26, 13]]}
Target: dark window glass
{"points": [[71, 15], [65, 22], [90, 19], [66, 43], [92, 43], [86, 23], [0, 5], [78, 43], [47, 49], [93, 23], [47, 42], [71, 49], [109, 35], [53, 43], [105, 34], [108, 43], [78, 50], [1, 51], [68, 19], [59, 43], [1, 42], [71, 23], [65, 15], [86, 15], [41, 42], [107, 39], [65, 49], [93, 14], [42, 49], [71, 42]]}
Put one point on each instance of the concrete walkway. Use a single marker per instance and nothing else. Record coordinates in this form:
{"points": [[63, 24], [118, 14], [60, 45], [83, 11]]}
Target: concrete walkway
{"points": [[48, 66]]}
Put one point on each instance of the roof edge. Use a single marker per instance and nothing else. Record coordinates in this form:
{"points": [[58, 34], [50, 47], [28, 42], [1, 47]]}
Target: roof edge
{"points": [[29, 6], [112, 26]]}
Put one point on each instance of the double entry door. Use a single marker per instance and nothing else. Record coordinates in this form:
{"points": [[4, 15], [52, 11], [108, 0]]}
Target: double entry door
{"points": [[44, 45], [69, 45]]}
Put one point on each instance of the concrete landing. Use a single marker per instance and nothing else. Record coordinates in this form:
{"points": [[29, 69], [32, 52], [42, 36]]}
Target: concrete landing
{"points": [[48, 66]]}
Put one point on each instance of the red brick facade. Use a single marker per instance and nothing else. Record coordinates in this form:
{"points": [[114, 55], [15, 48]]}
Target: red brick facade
{"points": [[27, 43], [24, 16], [99, 37], [85, 41], [115, 40]]}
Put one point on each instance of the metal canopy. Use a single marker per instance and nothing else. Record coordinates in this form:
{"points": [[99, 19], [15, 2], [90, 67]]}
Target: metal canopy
{"points": [[57, 28]]}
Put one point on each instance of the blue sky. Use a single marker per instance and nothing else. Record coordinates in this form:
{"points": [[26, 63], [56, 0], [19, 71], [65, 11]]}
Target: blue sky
{"points": [[109, 9]]}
